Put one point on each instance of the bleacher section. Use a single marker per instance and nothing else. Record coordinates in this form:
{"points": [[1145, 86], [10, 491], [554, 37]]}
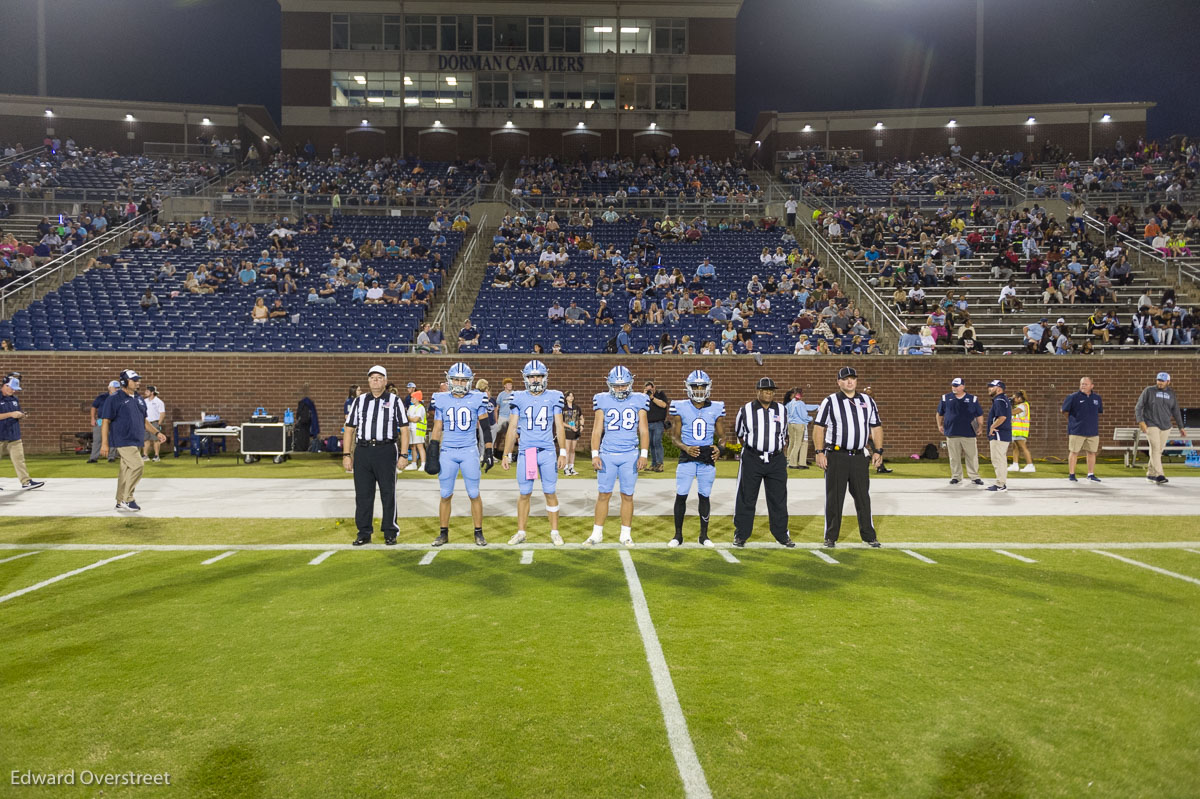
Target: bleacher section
{"points": [[612, 182], [515, 318], [925, 177], [92, 175], [100, 309], [974, 282]]}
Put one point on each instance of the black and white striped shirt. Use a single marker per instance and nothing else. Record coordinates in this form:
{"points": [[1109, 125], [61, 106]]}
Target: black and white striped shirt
{"points": [[847, 420], [762, 429], [376, 418]]}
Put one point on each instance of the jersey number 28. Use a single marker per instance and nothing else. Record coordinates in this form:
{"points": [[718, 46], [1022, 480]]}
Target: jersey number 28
{"points": [[624, 419]]}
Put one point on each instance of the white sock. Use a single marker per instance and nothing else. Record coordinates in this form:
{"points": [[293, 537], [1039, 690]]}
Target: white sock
{"points": [[520, 532], [625, 531], [554, 532], [597, 529]]}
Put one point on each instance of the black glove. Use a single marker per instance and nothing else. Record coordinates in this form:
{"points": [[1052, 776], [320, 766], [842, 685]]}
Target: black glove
{"points": [[708, 454], [489, 460], [432, 452]]}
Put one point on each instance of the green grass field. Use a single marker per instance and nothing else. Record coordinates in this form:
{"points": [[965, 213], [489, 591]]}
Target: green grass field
{"points": [[371, 675]]}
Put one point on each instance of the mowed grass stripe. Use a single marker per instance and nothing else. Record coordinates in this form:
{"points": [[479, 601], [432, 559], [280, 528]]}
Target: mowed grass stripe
{"points": [[367, 676], [983, 677]]}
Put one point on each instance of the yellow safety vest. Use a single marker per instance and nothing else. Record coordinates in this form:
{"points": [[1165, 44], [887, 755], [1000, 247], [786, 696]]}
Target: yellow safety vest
{"points": [[1020, 422], [422, 425]]}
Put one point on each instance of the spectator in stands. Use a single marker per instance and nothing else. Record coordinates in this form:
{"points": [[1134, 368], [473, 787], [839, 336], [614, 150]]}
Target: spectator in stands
{"points": [[424, 344], [315, 298], [278, 312], [706, 271], [260, 313], [247, 275], [928, 342], [468, 336], [556, 313], [701, 304], [604, 314], [149, 301], [916, 300], [624, 342], [193, 285], [1063, 344]]}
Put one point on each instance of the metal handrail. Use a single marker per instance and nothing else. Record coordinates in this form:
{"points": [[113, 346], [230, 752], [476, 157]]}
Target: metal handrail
{"points": [[274, 202], [55, 266], [21, 156], [456, 281]]}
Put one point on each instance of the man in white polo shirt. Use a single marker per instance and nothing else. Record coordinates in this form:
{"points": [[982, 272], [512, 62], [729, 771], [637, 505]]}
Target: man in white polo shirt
{"points": [[154, 414]]}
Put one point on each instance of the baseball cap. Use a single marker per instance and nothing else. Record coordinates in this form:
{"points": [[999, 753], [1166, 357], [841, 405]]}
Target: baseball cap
{"points": [[765, 383], [1044, 319], [377, 368], [847, 371], [129, 375], [152, 389], [1163, 376], [411, 385], [1060, 321], [14, 384], [958, 381], [999, 383], [114, 383]]}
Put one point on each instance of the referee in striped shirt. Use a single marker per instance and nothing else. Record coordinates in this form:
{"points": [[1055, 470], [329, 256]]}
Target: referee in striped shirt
{"points": [[761, 426], [375, 443], [846, 424]]}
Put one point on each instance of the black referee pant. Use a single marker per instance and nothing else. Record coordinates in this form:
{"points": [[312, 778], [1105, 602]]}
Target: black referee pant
{"points": [[375, 465], [752, 473], [846, 468]]}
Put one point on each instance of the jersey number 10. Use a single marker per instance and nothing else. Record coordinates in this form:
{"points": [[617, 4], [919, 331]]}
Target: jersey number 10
{"points": [[458, 419]]}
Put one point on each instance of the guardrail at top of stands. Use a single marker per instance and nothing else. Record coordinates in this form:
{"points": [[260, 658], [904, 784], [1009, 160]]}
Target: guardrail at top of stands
{"points": [[21, 156]]}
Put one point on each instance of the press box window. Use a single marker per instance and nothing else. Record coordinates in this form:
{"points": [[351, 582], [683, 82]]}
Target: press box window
{"points": [[670, 36], [563, 34], [599, 35]]}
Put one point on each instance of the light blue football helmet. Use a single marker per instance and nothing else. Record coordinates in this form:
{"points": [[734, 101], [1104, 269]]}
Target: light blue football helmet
{"points": [[698, 385], [535, 374], [459, 377], [620, 376]]}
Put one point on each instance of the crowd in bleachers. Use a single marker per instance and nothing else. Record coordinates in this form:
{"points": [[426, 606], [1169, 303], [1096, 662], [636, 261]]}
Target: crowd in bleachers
{"points": [[1166, 227], [335, 283], [66, 169], [598, 182], [937, 176], [1034, 262], [629, 283], [353, 181]]}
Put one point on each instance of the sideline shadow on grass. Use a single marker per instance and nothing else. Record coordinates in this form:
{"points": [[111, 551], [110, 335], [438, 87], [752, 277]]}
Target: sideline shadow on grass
{"points": [[984, 767], [228, 772]]}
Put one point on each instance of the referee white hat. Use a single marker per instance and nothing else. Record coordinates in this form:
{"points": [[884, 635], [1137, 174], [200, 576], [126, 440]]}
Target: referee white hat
{"points": [[379, 369]]}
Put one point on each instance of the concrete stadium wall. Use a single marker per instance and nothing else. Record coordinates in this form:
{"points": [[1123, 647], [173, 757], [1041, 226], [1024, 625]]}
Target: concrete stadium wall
{"points": [[59, 387]]}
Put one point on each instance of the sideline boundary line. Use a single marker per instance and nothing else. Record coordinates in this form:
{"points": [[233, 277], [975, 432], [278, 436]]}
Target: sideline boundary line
{"points": [[18, 557], [992, 545], [1133, 562], [725, 553], [1021, 558], [319, 559], [695, 786], [64, 576]]}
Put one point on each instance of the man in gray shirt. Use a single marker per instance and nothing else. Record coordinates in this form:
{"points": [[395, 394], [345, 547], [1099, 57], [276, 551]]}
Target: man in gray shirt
{"points": [[1155, 411]]}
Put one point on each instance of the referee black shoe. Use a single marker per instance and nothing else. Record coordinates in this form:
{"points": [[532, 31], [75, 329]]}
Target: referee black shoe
{"points": [[739, 542], [884, 470], [361, 540], [480, 541], [390, 540], [830, 543], [874, 544], [789, 543], [441, 539]]}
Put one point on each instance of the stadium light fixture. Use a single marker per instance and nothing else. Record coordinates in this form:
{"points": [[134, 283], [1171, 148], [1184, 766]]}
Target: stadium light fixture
{"points": [[129, 118], [49, 112], [508, 124], [411, 100], [757, 143], [653, 125], [630, 30], [1030, 121], [266, 137], [602, 29], [360, 79], [1106, 118], [579, 124], [407, 80], [437, 123], [539, 103], [806, 129], [952, 123], [365, 123], [444, 100], [878, 126], [374, 99], [451, 80], [588, 104]]}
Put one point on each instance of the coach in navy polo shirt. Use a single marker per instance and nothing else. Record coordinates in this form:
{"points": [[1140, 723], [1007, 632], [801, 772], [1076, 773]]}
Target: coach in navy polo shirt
{"points": [[1083, 409], [124, 429], [10, 430], [958, 420]]}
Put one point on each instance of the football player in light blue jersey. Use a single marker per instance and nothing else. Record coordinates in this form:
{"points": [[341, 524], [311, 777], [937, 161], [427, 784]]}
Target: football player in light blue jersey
{"points": [[452, 449], [697, 429], [620, 438], [536, 413]]}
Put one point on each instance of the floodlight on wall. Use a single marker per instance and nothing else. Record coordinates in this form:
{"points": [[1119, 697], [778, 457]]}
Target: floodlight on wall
{"points": [[266, 137], [952, 123], [1030, 121], [49, 112], [757, 143], [1106, 118], [365, 123], [579, 124], [451, 80], [806, 129], [539, 103], [411, 100], [437, 123], [508, 124], [407, 80], [206, 121], [444, 100], [653, 125], [878, 126], [129, 118], [588, 104], [361, 80]]}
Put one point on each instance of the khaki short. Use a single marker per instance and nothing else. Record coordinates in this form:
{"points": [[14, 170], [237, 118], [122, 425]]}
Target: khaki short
{"points": [[1083, 443]]}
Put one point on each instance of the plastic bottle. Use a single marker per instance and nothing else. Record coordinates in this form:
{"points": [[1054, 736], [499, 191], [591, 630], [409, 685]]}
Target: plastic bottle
{"points": [[288, 418]]}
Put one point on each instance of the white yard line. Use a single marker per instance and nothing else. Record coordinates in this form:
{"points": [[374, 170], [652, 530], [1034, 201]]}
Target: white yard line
{"points": [[824, 557], [918, 556], [324, 556], [18, 557], [695, 786], [429, 556], [1193, 551], [1132, 562], [222, 556], [1021, 558], [64, 576], [725, 553], [527, 557]]}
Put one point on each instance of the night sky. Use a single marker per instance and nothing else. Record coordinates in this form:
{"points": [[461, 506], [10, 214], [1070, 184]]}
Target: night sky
{"points": [[794, 55]]}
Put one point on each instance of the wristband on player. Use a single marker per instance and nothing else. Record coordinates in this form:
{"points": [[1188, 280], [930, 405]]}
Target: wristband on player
{"points": [[645, 453], [595, 453], [562, 453]]}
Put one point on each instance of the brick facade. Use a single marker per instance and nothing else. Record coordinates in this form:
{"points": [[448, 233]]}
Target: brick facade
{"points": [[59, 387]]}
